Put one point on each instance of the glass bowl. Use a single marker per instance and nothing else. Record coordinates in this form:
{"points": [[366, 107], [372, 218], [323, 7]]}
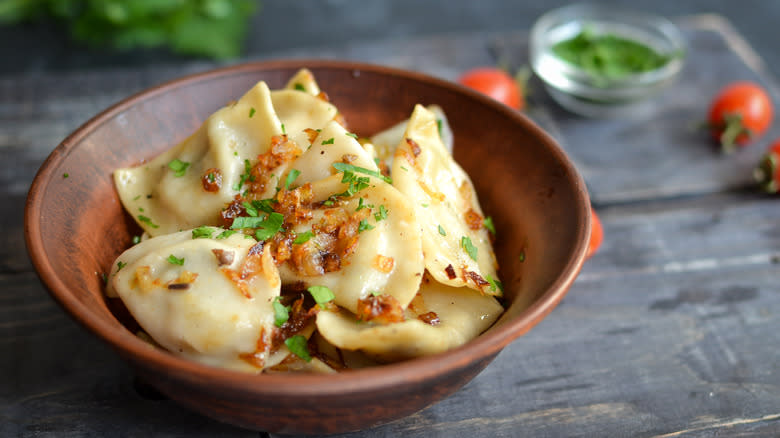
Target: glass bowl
{"points": [[586, 93]]}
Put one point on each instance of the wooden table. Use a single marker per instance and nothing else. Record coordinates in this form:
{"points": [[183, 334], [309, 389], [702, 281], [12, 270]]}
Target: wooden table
{"points": [[670, 330]]}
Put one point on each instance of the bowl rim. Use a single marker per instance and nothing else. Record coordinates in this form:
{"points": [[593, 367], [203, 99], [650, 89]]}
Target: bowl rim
{"points": [[371, 379]]}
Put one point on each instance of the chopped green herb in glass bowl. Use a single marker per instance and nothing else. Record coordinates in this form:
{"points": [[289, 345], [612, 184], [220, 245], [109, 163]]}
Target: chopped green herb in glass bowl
{"points": [[602, 61]]}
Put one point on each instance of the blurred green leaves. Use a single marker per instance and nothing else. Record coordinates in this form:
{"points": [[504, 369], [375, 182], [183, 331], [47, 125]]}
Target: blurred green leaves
{"points": [[212, 28]]}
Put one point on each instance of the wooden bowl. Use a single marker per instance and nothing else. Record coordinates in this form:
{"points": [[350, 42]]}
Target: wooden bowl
{"points": [[75, 226]]}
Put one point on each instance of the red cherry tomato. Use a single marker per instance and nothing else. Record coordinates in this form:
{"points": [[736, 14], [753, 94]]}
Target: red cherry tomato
{"points": [[596, 234], [495, 83], [740, 112], [767, 173]]}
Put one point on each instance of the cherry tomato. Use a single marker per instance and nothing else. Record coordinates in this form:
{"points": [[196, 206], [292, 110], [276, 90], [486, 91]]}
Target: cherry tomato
{"points": [[740, 112], [596, 234], [767, 173], [495, 83]]}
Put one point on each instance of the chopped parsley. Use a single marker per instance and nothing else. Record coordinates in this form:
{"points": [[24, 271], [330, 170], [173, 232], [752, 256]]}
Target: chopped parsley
{"points": [[119, 265], [424, 205], [281, 312], [203, 232], [465, 243], [136, 239], [210, 177], [404, 169], [251, 112], [439, 125], [494, 283], [178, 167], [137, 197], [250, 209], [290, 178], [147, 221], [488, 222], [344, 167], [321, 294], [172, 259], [328, 141], [303, 237], [381, 214], [65, 175], [297, 345], [375, 293], [247, 175], [265, 227], [284, 131], [364, 225], [362, 204], [521, 257], [299, 87], [225, 234], [441, 231], [264, 204], [352, 135]]}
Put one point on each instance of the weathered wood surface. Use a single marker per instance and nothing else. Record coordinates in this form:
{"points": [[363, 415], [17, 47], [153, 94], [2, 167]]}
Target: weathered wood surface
{"points": [[670, 330]]}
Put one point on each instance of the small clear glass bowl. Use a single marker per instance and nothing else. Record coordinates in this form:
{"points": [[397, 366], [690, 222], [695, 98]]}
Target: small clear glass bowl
{"points": [[599, 96]]}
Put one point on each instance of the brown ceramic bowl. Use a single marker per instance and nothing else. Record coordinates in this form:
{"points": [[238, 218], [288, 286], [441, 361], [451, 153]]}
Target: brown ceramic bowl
{"points": [[75, 227]]}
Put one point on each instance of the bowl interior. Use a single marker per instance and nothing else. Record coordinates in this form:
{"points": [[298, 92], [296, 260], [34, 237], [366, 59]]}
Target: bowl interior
{"points": [[76, 226]]}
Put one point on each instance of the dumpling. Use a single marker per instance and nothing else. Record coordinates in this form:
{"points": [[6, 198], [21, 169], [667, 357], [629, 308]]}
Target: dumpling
{"points": [[385, 142], [438, 319], [299, 111], [360, 243], [188, 185], [456, 243], [207, 299], [333, 144]]}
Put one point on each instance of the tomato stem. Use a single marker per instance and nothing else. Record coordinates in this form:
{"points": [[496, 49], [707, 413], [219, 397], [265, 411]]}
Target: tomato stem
{"points": [[764, 174], [732, 131]]}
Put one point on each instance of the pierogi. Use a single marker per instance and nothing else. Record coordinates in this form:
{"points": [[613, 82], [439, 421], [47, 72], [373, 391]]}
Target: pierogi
{"points": [[275, 240]]}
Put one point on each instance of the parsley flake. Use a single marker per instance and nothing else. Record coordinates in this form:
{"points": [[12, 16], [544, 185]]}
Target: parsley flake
{"points": [[439, 126], [344, 167], [147, 221], [265, 227], [362, 204], [521, 256], [488, 223], [290, 178], [172, 259], [321, 294], [225, 234], [299, 87], [404, 169], [328, 141], [303, 237], [364, 225], [251, 112], [250, 209], [136, 240], [495, 284], [137, 197], [281, 312], [178, 167], [382, 214], [284, 131], [264, 204], [375, 293], [119, 265], [465, 243], [352, 135], [203, 232], [65, 175], [297, 345], [441, 231]]}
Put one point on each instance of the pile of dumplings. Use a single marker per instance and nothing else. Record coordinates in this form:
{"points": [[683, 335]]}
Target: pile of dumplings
{"points": [[275, 240]]}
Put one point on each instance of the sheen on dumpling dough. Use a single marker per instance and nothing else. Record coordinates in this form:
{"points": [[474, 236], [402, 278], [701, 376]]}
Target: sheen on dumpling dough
{"points": [[205, 299], [456, 244], [167, 194], [460, 315]]}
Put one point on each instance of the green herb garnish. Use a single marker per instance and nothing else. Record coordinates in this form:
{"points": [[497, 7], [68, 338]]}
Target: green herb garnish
{"points": [[297, 345], [441, 231], [225, 234], [364, 226], [495, 284], [266, 226], [203, 232], [344, 167], [147, 221], [136, 240], [119, 265], [381, 214], [290, 178], [608, 55], [172, 259], [471, 250], [178, 167], [488, 223], [321, 294], [299, 87], [251, 112], [328, 141], [281, 312], [303, 237]]}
